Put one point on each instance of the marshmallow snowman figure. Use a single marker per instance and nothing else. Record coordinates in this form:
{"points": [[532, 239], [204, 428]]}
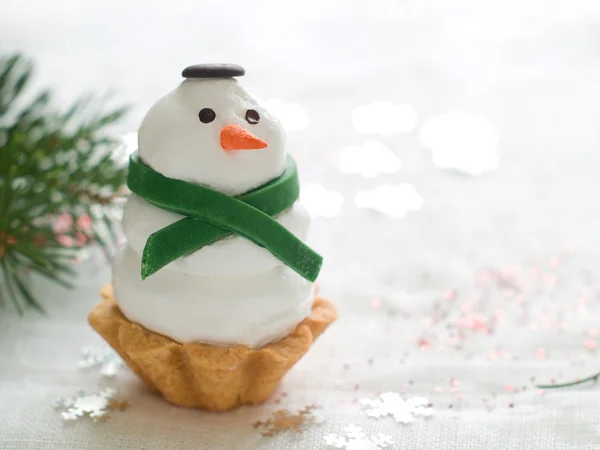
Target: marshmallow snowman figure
{"points": [[210, 131]]}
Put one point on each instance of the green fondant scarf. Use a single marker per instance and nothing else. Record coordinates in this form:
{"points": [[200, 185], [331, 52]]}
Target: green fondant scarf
{"points": [[212, 216]]}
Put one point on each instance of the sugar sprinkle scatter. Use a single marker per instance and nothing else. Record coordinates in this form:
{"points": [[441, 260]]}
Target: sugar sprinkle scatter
{"points": [[95, 406], [283, 420]]}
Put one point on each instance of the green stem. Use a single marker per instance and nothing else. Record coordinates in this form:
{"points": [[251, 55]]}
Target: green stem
{"points": [[593, 378], [8, 275]]}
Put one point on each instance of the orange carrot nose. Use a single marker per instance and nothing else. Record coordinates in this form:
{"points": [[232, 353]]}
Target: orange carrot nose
{"points": [[234, 137]]}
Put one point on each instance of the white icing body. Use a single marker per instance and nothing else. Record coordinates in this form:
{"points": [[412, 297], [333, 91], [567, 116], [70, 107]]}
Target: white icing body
{"points": [[232, 292], [252, 310]]}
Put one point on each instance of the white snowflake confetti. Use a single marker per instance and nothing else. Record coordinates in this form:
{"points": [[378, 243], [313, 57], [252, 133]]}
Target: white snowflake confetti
{"points": [[95, 405], [402, 410], [356, 439], [354, 432], [104, 357]]}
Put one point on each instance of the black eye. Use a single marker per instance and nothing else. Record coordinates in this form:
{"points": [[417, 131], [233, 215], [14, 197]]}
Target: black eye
{"points": [[206, 115], [252, 116]]}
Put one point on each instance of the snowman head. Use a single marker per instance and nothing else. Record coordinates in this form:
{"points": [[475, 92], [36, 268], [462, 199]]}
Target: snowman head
{"points": [[211, 131]]}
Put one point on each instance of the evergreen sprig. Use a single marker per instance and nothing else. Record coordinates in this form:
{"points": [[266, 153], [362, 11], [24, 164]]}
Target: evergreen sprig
{"points": [[60, 183]]}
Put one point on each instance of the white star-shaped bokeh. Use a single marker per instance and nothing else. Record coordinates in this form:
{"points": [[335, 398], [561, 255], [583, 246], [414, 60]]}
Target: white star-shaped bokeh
{"points": [[369, 159], [321, 202], [393, 200], [384, 118], [461, 142]]}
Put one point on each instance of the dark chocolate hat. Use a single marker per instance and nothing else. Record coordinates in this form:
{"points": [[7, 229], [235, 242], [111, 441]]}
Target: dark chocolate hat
{"points": [[213, 71]]}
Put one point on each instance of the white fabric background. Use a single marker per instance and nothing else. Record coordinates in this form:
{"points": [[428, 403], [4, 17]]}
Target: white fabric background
{"points": [[532, 68]]}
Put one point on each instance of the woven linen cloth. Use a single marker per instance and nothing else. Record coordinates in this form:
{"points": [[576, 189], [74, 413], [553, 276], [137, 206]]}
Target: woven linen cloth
{"points": [[470, 298]]}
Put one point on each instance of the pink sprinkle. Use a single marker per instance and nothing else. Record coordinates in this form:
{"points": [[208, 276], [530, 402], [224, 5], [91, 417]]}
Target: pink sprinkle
{"points": [[424, 344], [84, 222], [540, 353], [277, 401], [62, 223], [64, 240], [81, 238], [449, 294], [439, 389], [376, 303], [509, 388], [284, 394], [460, 395], [454, 382], [554, 262], [478, 322], [511, 270], [472, 321], [590, 344]]}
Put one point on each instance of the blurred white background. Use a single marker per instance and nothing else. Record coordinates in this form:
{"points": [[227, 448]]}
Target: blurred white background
{"points": [[508, 84], [434, 138]]}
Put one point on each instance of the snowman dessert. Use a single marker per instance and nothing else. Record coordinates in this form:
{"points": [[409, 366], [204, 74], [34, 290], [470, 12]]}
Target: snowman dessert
{"points": [[212, 299]]}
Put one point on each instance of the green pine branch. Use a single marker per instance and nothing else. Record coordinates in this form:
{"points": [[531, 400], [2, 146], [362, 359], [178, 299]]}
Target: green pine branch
{"points": [[59, 183]]}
